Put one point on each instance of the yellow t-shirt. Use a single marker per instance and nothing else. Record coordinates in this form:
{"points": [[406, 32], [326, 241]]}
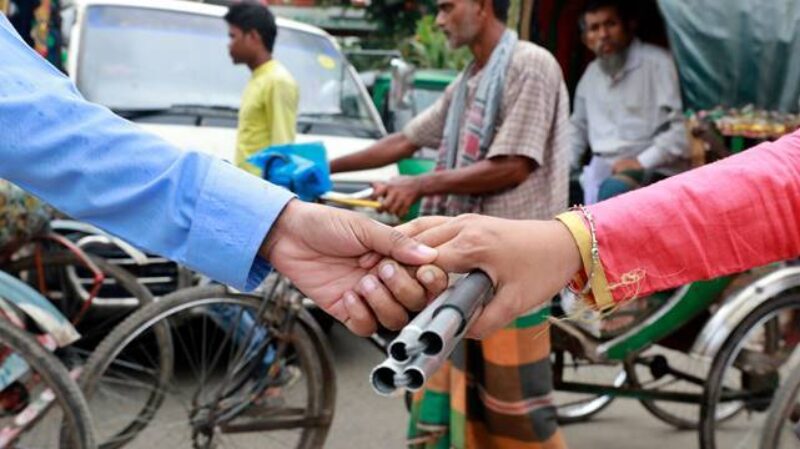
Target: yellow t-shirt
{"points": [[268, 113]]}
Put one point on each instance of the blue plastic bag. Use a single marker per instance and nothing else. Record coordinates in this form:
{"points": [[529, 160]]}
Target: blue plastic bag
{"points": [[301, 168]]}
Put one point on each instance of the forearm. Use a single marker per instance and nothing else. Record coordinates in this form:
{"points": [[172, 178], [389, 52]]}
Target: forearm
{"points": [[579, 131], [579, 143], [483, 177], [386, 151], [695, 226], [668, 146], [97, 167]]}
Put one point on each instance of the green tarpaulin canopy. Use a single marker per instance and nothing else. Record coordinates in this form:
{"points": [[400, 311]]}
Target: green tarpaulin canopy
{"points": [[736, 52]]}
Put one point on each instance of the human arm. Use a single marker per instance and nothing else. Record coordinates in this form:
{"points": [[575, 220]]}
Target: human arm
{"points": [[326, 252], [99, 168], [386, 151], [670, 141], [483, 177], [686, 228], [424, 131], [186, 206], [696, 226]]}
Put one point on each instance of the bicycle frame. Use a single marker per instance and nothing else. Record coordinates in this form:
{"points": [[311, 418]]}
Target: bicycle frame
{"points": [[685, 304], [680, 307]]}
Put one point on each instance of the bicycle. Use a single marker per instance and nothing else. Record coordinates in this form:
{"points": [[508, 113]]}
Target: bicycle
{"points": [[40, 404], [232, 391], [757, 350]]}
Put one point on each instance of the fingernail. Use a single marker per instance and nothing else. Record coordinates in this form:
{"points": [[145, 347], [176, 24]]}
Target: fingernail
{"points": [[387, 270], [427, 276], [350, 299], [368, 284], [425, 251]]}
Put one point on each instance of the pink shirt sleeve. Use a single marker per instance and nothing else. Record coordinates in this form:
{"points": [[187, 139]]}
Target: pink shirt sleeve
{"points": [[719, 219]]}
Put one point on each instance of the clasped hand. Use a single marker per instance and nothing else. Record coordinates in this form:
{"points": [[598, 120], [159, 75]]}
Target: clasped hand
{"points": [[364, 273]]}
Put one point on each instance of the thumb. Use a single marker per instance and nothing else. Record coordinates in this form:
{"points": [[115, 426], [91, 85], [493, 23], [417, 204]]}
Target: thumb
{"points": [[392, 243]]}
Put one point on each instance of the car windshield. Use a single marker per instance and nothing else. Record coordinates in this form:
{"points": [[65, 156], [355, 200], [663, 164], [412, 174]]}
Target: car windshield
{"points": [[149, 59]]}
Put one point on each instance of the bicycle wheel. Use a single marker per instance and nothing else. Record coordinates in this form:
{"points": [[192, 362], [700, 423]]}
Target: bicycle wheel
{"points": [[747, 370], [782, 428], [38, 397], [223, 385], [579, 407], [61, 277]]}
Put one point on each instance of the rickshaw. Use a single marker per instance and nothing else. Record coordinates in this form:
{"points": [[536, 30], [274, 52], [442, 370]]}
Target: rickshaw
{"points": [[709, 355]]}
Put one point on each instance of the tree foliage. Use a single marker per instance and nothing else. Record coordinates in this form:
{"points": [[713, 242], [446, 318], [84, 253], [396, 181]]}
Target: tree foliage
{"points": [[428, 48], [397, 19]]}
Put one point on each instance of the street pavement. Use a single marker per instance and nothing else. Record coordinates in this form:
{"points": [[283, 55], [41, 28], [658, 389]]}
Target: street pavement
{"points": [[365, 420]]}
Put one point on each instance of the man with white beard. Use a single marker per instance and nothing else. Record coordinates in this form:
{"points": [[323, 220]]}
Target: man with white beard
{"points": [[627, 107]]}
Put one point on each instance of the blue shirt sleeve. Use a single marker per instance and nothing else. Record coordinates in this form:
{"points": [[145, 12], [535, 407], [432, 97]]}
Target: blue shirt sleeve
{"points": [[84, 160]]}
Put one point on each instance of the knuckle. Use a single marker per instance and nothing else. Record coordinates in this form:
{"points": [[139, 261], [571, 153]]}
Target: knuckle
{"points": [[397, 237], [470, 239], [468, 219]]}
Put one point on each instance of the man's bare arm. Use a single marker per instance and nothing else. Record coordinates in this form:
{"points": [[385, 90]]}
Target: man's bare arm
{"points": [[486, 176], [386, 151]]}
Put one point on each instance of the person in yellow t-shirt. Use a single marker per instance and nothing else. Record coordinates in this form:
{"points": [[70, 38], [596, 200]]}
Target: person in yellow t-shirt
{"points": [[268, 113]]}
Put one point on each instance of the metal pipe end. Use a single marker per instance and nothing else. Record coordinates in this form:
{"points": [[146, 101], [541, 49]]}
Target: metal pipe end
{"points": [[432, 342], [415, 378], [382, 379], [398, 350]]}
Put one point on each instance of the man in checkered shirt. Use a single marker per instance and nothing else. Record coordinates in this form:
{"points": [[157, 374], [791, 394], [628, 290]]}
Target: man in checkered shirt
{"points": [[497, 390]]}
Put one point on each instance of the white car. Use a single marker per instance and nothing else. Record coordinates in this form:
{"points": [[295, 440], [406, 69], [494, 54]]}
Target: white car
{"points": [[164, 64]]}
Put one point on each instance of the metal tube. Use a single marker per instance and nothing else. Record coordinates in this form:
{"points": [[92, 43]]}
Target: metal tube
{"points": [[469, 294], [423, 366], [436, 331], [441, 331], [404, 346], [451, 319], [383, 377], [418, 372]]}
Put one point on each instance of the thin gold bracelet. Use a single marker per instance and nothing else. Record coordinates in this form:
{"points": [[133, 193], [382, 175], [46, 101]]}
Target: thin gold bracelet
{"points": [[595, 250]]}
